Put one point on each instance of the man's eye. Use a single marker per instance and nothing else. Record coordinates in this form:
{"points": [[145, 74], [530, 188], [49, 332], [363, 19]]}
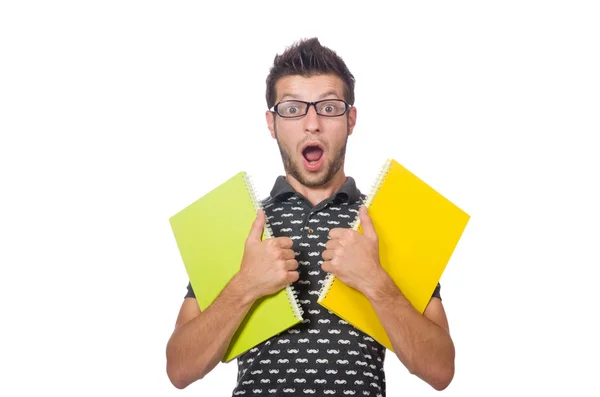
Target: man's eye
{"points": [[328, 108]]}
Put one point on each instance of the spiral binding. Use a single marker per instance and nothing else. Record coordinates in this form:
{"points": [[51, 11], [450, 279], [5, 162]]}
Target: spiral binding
{"points": [[268, 232], [385, 169], [383, 173], [292, 294]]}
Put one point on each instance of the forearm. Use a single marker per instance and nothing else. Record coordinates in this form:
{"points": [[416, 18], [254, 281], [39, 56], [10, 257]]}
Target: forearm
{"points": [[196, 347], [425, 348]]}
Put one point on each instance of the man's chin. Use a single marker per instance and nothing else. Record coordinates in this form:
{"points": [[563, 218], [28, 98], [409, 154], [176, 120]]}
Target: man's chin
{"points": [[312, 178]]}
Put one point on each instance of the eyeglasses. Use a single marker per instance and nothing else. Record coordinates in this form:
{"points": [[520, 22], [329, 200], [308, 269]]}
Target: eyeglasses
{"points": [[326, 107]]}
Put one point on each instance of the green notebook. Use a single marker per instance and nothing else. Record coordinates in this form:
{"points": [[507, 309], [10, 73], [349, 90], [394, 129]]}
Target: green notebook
{"points": [[210, 234]]}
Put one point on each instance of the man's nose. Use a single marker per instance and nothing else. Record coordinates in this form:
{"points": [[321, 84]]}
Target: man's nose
{"points": [[312, 121]]}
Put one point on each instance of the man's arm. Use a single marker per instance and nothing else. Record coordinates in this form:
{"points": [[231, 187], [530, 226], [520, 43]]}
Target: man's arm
{"points": [[201, 338], [421, 342]]}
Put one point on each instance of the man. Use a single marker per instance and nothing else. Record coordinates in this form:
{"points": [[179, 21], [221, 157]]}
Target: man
{"points": [[310, 93]]}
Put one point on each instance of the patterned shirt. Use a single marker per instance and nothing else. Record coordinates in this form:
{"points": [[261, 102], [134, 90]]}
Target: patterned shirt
{"points": [[323, 355]]}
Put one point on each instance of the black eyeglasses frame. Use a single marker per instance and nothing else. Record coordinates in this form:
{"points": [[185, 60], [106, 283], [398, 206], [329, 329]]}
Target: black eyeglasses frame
{"points": [[309, 104]]}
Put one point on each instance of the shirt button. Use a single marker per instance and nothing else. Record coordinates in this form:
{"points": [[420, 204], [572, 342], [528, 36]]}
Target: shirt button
{"points": [[310, 231]]}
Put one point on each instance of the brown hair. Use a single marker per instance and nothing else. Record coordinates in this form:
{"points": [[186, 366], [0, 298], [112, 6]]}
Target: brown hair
{"points": [[308, 58]]}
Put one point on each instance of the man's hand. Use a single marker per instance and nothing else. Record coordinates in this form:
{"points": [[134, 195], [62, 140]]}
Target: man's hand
{"points": [[269, 265], [353, 257]]}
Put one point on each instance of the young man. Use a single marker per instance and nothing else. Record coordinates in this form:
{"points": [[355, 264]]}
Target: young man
{"points": [[310, 93]]}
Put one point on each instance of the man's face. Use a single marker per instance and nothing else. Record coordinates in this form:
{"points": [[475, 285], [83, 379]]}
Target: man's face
{"points": [[312, 147]]}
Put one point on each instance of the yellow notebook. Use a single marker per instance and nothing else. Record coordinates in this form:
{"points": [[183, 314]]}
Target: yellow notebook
{"points": [[418, 229], [210, 234]]}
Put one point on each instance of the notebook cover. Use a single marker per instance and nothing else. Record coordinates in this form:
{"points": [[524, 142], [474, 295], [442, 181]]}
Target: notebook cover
{"points": [[418, 229], [210, 234]]}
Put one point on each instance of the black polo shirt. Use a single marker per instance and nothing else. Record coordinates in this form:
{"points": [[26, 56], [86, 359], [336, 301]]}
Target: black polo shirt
{"points": [[323, 355]]}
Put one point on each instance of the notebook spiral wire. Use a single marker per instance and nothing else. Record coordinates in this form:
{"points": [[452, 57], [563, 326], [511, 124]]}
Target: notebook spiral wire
{"points": [[375, 186], [385, 169], [292, 294]]}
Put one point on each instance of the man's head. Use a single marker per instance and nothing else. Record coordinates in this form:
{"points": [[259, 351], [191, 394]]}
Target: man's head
{"points": [[309, 58], [312, 140]]}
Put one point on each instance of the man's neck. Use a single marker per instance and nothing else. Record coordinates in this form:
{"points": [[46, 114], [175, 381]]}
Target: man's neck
{"points": [[317, 194]]}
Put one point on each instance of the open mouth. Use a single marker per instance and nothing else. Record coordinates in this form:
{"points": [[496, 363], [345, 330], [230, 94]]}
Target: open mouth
{"points": [[312, 153]]}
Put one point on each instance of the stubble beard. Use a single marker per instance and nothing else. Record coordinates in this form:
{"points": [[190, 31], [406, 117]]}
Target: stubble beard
{"points": [[295, 169]]}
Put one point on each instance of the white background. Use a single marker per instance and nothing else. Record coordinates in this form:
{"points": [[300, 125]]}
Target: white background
{"points": [[116, 114]]}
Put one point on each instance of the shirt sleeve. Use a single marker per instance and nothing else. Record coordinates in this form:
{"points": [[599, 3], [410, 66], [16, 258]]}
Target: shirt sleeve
{"points": [[436, 292], [190, 292]]}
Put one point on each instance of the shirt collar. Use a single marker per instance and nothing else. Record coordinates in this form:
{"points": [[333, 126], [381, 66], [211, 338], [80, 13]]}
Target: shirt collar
{"points": [[348, 192]]}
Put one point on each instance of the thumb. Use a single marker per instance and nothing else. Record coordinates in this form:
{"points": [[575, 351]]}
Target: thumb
{"points": [[367, 223], [257, 226]]}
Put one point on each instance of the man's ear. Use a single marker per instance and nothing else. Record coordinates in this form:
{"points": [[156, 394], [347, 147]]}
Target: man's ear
{"points": [[271, 123], [351, 120]]}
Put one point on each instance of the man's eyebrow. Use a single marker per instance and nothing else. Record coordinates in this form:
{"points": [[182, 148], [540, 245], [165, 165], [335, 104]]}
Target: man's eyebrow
{"points": [[292, 96], [329, 93], [324, 95]]}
